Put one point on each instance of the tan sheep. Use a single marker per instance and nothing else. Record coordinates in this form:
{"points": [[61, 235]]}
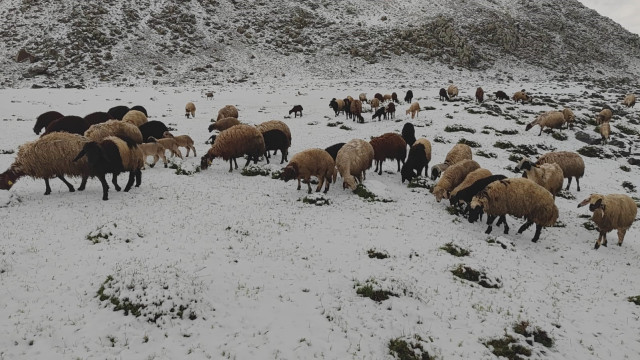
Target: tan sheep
{"points": [[472, 177], [227, 111], [311, 162], [610, 212], [375, 104], [414, 109], [387, 97], [571, 164], [233, 143], [452, 91], [569, 117], [117, 128], [603, 116], [184, 141], [275, 125], [154, 149], [224, 124], [629, 100], [352, 161], [605, 131], [457, 153], [363, 97], [170, 144], [550, 119], [190, 109], [520, 96], [518, 197], [549, 176], [135, 117], [452, 177]]}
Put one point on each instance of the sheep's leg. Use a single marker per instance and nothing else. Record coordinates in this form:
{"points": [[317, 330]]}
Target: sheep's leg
{"points": [[380, 171], [503, 220], [188, 150], [621, 233], [599, 241], [376, 170], [578, 182], [105, 187], [164, 159], [248, 161], [83, 183], [132, 177], [320, 182], [525, 226], [490, 220], [235, 161], [266, 156], [299, 184], [604, 239], [256, 158], [231, 165], [326, 187], [540, 131], [284, 154], [537, 235], [47, 189], [398, 160], [568, 183], [114, 180], [138, 177], [71, 189]]}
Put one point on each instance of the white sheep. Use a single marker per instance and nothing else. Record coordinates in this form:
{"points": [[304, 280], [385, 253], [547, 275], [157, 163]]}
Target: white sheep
{"points": [[117, 128], [629, 100], [135, 117], [549, 176], [352, 161], [452, 91], [571, 164], [227, 111], [457, 153], [452, 177], [610, 212], [311, 162]]}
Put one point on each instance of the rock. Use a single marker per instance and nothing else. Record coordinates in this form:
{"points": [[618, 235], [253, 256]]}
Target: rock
{"points": [[586, 138], [25, 55]]}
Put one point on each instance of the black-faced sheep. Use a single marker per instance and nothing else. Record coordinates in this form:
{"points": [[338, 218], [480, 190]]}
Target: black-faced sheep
{"points": [[518, 197], [233, 143], [276, 139], [452, 91], [549, 176], [479, 95], [443, 94], [611, 212], [153, 128], [414, 109], [190, 110], [380, 113], [418, 159], [209, 95], [97, 117], [457, 153], [118, 112], [49, 156], [408, 97], [227, 111], [71, 124], [295, 110], [44, 119], [333, 150], [408, 133], [352, 161], [117, 128], [452, 177], [311, 162], [571, 164], [379, 97], [501, 95], [135, 117], [391, 111], [388, 146], [465, 195], [141, 109], [394, 98], [337, 105], [471, 178], [520, 96], [550, 119], [184, 141], [224, 124], [629, 100], [113, 155]]}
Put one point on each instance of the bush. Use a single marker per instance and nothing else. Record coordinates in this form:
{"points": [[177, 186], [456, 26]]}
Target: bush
{"points": [[458, 128]]}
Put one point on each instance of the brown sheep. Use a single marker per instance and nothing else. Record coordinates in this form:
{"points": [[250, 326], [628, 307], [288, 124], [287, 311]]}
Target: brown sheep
{"points": [[356, 110], [224, 124], [190, 109], [388, 146], [311, 162], [520, 96], [227, 111], [184, 141], [233, 143], [135, 117], [479, 95]]}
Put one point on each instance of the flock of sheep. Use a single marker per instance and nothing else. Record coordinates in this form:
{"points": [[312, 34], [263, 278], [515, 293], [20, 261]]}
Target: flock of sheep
{"points": [[120, 140]]}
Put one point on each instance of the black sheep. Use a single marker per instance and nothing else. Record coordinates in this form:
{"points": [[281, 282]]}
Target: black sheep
{"points": [[296, 109], [501, 95], [45, 119], [444, 95], [394, 98], [276, 140], [380, 113], [333, 150], [141, 109], [409, 134], [118, 112], [468, 193], [334, 105], [97, 118], [347, 108], [408, 97], [153, 128], [71, 124], [416, 161], [391, 111], [379, 97]]}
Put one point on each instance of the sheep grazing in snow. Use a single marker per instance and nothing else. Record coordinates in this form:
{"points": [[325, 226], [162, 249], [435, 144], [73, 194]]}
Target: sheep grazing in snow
{"points": [[414, 109], [97, 117], [452, 177], [457, 153], [184, 141], [518, 197], [471, 178], [114, 128], [390, 112], [139, 108], [379, 97], [408, 97], [154, 149], [224, 124], [190, 110], [501, 95], [611, 212], [275, 125], [44, 119], [408, 133], [118, 112], [347, 108], [209, 95], [452, 91], [70, 124], [388, 146], [363, 97], [135, 117], [333, 150], [464, 195], [605, 115], [479, 95], [227, 111], [571, 164], [168, 143], [356, 110], [375, 103], [418, 159], [295, 110], [605, 132], [380, 113], [276, 139], [311, 162], [443, 94], [153, 128], [394, 98], [233, 143], [520, 96], [549, 176], [550, 119], [629, 100], [337, 105], [352, 161]]}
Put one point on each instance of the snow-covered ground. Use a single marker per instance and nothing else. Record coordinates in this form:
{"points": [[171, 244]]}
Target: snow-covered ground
{"points": [[266, 276]]}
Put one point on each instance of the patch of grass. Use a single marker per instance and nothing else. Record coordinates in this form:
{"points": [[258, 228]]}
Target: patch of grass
{"points": [[540, 336], [629, 186], [627, 130], [590, 151], [589, 225], [470, 143], [507, 347], [455, 250], [515, 158], [559, 136], [317, 199], [276, 174], [334, 123], [526, 150], [420, 182], [98, 235], [479, 277], [180, 171], [625, 168], [566, 195], [375, 295], [6, 152], [428, 108], [119, 304], [453, 210], [504, 145], [441, 140], [634, 299], [458, 128], [254, 170], [403, 350], [374, 254], [364, 193], [486, 154], [345, 127]]}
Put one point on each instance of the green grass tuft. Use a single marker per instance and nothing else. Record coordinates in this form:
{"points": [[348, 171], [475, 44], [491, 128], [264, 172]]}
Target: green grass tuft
{"points": [[507, 347], [455, 250], [470, 143], [479, 277], [403, 350], [374, 254], [540, 336], [375, 295], [634, 299], [458, 128]]}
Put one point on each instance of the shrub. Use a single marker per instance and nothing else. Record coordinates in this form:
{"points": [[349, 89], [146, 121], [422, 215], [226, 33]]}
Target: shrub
{"points": [[458, 128]]}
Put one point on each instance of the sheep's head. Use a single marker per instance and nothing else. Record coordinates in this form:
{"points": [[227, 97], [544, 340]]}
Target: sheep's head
{"points": [[476, 207], [332, 104], [435, 172], [206, 160], [290, 172], [349, 182], [440, 193], [525, 164], [594, 201], [407, 173], [167, 134], [8, 178]]}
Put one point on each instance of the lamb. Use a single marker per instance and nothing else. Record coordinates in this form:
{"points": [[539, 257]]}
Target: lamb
{"points": [[380, 113], [394, 98], [479, 95], [471, 178], [363, 97], [113, 155], [409, 134], [97, 117], [571, 164], [390, 111], [550, 119], [418, 159], [549, 176], [604, 116], [605, 131], [408, 97], [190, 109], [501, 95], [337, 105], [168, 143], [295, 110], [457, 153], [153, 128], [154, 149], [184, 141], [276, 139], [414, 109], [235, 142], [224, 124], [311, 162], [443, 95], [464, 195], [118, 128], [375, 103], [44, 119], [70, 124], [518, 197], [356, 110], [452, 91], [611, 212], [452, 177], [388, 146], [520, 96], [141, 109], [118, 112], [629, 100], [227, 111], [47, 157], [333, 150], [352, 161], [135, 117]]}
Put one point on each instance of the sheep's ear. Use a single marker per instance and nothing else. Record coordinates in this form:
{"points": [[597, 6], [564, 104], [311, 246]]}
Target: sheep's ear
{"points": [[584, 202]]}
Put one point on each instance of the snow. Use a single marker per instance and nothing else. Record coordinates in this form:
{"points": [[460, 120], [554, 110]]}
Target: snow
{"points": [[267, 276]]}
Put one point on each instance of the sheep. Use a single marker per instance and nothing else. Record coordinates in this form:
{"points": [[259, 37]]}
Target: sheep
{"points": [[571, 164], [190, 109], [464, 195], [184, 141], [379, 97], [352, 161], [153, 128], [409, 133], [452, 91], [443, 94], [629, 100], [518, 197], [47, 157], [227, 111], [550, 119], [452, 177], [363, 97], [347, 108], [390, 112], [118, 112], [113, 155], [224, 124], [97, 117], [605, 131], [209, 95], [154, 149], [414, 109], [418, 159], [549, 176], [141, 109], [311, 162], [394, 98], [114, 128], [605, 115], [611, 212], [501, 95], [295, 110], [471, 178], [408, 97], [520, 96], [356, 110], [337, 105], [380, 113], [235, 142], [388, 146], [276, 139], [569, 117], [457, 153], [350, 98], [375, 103], [71, 124], [169, 143], [135, 117], [44, 119], [333, 149], [479, 95], [275, 125]]}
